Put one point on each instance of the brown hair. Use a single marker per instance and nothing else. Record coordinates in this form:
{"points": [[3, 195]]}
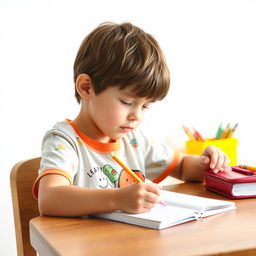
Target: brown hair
{"points": [[123, 55]]}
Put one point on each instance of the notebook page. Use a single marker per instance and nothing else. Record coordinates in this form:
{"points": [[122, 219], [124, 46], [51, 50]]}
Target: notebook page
{"points": [[197, 203], [158, 217], [162, 213]]}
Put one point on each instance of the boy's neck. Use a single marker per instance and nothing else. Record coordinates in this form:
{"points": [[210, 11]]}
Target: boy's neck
{"points": [[88, 127]]}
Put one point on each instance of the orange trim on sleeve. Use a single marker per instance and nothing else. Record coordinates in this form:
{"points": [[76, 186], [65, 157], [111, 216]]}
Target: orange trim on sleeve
{"points": [[46, 172], [169, 168]]}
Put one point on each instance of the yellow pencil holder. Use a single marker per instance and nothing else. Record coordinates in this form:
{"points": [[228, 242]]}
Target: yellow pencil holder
{"points": [[229, 146]]}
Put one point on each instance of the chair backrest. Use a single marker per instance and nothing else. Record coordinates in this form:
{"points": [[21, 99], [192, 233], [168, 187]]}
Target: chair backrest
{"points": [[25, 207]]}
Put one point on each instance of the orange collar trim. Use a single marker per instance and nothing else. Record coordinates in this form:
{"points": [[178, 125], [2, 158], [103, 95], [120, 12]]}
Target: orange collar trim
{"points": [[94, 144]]}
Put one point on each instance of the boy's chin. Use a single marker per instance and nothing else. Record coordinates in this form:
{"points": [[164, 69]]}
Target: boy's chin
{"points": [[118, 137]]}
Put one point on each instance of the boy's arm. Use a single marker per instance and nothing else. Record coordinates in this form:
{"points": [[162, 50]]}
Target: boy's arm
{"points": [[192, 167], [188, 169], [57, 197]]}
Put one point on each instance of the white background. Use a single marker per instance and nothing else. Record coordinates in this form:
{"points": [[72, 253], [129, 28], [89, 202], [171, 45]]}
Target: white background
{"points": [[210, 47]]}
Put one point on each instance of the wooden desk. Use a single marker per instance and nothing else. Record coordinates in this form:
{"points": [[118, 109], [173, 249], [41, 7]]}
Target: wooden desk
{"points": [[232, 233]]}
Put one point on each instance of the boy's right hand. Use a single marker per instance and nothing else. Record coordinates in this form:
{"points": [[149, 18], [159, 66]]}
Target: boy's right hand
{"points": [[138, 197]]}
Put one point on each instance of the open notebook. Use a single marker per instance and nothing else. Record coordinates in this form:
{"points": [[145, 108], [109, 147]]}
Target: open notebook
{"points": [[181, 208]]}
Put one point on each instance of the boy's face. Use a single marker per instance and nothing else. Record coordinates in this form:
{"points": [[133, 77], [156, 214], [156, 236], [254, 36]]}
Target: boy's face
{"points": [[116, 112]]}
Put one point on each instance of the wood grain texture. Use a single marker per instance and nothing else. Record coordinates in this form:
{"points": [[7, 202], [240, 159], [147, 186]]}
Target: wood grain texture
{"points": [[230, 233], [25, 207]]}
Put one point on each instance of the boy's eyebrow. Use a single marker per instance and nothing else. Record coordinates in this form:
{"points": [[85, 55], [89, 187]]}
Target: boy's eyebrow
{"points": [[132, 95], [129, 94]]}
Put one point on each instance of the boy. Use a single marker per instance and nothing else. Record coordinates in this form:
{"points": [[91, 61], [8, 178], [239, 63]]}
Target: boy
{"points": [[119, 72]]}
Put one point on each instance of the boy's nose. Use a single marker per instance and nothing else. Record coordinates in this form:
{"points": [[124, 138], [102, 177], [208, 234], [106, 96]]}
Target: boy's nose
{"points": [[135, 115]]}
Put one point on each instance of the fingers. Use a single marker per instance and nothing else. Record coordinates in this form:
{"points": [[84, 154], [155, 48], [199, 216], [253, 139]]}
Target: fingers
{"points": [[151, 194], [138, 197], [218, 159], [150, 200], [220, 162], [204, 160], [148, 196], [153, 188]]}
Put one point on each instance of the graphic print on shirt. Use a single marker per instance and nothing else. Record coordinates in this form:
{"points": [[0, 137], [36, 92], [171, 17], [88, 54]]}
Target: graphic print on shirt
{"points": [[99, 177], [60, 147], [111, 173], [103, 182], [79, 141], [122, 179], [107, 176], [134, 142], [126, 179]]}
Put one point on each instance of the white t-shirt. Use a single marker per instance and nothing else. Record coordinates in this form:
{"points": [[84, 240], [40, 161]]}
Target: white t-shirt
{"points": [[87, 163]]}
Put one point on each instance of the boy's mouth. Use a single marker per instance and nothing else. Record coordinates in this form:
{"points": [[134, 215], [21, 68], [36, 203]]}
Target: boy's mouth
{"points": [[126, 128]]}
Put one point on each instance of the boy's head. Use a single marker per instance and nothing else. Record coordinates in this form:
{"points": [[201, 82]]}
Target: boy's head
{"points": [[123, 55]]}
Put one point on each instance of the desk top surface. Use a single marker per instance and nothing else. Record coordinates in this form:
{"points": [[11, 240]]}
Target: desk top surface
{"points": [[230, 233]]}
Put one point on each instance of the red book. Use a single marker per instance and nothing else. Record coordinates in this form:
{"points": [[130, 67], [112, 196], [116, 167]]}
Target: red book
{"points": [[234, 182]]}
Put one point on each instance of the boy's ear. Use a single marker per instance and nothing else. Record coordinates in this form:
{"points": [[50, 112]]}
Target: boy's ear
{"points": [[84, 86]]}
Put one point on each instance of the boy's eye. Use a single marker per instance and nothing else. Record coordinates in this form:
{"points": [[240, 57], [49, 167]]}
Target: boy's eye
{"points": [[147, 106], [126, 102], [130, 103]]}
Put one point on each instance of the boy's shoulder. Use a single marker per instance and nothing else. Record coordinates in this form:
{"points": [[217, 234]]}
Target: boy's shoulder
{"points": [[61, 126], [62, 129]]}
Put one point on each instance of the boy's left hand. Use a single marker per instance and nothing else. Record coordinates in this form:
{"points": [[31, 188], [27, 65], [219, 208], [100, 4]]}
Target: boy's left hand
{"points": [[213, 158]]}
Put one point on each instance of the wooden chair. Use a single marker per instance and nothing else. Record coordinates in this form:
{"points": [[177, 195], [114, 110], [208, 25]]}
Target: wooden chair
{"points": [[25, 207]]}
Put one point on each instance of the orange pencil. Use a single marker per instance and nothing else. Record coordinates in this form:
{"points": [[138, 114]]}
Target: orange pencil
{"points": [[127, 169], [248, 167], [224, 133], [232, 131]]}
